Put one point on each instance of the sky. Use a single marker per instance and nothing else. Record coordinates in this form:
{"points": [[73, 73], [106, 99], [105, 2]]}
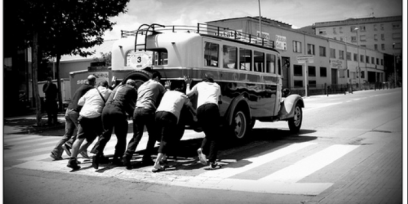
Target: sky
{"points": [[298, 13]]}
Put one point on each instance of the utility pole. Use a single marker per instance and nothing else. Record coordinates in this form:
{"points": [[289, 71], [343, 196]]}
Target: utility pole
{"points": [[260, 25], [358, 60]]}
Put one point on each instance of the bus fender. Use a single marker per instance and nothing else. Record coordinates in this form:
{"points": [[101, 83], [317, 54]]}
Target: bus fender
{"points": [[237, 101], [288, 105]]}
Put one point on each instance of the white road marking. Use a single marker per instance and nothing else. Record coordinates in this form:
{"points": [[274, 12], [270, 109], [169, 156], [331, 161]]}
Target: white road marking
{"points": [[257, 160], [307, 166]]}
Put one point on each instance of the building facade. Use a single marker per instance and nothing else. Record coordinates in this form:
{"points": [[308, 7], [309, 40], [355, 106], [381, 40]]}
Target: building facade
{"points": [[382, 34], [334, 62]]}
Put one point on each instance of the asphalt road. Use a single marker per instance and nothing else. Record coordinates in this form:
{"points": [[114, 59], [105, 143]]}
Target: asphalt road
{"points": [[349, 150]]}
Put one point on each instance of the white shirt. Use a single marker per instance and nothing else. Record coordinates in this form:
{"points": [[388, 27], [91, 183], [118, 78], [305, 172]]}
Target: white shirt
{"points": [[173, 102], [93, 103], [208, 92]]}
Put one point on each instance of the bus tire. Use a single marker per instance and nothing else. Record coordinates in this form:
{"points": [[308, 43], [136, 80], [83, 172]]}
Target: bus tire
{"points": [[241, 124], [296, 122], [139, 76]]}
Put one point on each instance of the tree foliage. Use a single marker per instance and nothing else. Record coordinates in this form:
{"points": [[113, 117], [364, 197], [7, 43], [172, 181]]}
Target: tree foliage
{"points": [[60, 27]]}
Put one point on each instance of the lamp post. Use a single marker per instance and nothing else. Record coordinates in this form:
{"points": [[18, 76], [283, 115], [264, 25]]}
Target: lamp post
{"points": [[395, 67], [358, 58]]}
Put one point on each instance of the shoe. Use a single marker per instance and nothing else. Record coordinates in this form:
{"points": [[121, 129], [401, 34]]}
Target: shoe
{"points": [[66, 149], [72, 163], [201, 156], [127, 163], [55, 156], [95, 161], [158, 169], [214, 165], [163, 161], [147, 161], [84, 154]]}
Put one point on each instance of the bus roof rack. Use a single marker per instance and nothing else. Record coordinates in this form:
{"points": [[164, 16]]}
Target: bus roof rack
{"points": [[201, 28]]}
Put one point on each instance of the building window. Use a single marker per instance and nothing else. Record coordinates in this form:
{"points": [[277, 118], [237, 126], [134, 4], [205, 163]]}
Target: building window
{"points": [[322, 32], [353, 29], [361, 58], [310, 49], [378, 61], [396, 26], [230, 57], [322, 51], [323, 72], [334, 31], [342, 73], [332, 53], [245, 59], [297, 47], [355, 57], [211, 53], [396, 46], [376, 46], [396, 36], [382, 37], [362, 74], [367, 59], [298, 83], [382, 46], [353, 38], [297, 70], [341, 39], [312, 83], [312, 71], [382, 26], [363, 38], [362, 28], [372, 60], [340, 29], [382, 61], [375, 37], [341, 54], [349, 56], [375, 26]]}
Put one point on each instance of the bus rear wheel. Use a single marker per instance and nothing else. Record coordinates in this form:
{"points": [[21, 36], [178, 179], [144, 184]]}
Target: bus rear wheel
{"points": [[240, 126], [296, 122]]}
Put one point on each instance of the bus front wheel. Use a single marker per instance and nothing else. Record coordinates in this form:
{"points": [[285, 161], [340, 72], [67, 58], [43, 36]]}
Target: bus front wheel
{"points": [[296, 122]]}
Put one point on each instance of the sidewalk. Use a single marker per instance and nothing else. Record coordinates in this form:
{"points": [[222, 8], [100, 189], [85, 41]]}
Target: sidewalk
{"points": [[28, 124]]}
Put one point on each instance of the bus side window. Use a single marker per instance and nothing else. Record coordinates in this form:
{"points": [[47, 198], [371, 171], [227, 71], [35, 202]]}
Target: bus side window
{"points": [[211, 53], [229, 57], [245, 59], [259, 60], [270, 63], [279, 66]]}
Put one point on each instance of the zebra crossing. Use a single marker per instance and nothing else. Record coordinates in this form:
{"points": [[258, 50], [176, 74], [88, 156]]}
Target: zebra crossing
{"points": [[32, 152]]}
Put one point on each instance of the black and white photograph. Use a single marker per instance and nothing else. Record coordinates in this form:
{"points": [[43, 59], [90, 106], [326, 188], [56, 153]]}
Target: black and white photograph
{"points": [[203, 102]]}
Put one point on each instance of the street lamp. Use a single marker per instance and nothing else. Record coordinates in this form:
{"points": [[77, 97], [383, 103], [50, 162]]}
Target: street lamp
{"points": [[358, 58]]}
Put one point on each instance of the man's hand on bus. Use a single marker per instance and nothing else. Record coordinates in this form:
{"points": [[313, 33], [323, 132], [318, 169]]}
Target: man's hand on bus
{"points": [[167, 84], [187, 79]]}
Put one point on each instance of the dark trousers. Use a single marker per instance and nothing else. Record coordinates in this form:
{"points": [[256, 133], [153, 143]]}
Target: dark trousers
{"points": [[71, 122], [142, 117], [166, 124], [112, 117], [208, 116], [52, 111], [89, 128]]}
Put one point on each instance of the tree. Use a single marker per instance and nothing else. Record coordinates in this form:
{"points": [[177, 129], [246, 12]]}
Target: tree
{"points": [[63, 27]]}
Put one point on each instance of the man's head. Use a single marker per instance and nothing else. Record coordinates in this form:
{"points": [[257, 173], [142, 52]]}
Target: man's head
{"points": [[104, 83], [91, 79], [131, 82], [156, 76], [208, 77], [49, 80]]}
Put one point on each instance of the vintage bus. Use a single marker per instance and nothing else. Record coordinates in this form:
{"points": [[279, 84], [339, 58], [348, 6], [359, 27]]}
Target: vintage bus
{"points": [[247, 68]]}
